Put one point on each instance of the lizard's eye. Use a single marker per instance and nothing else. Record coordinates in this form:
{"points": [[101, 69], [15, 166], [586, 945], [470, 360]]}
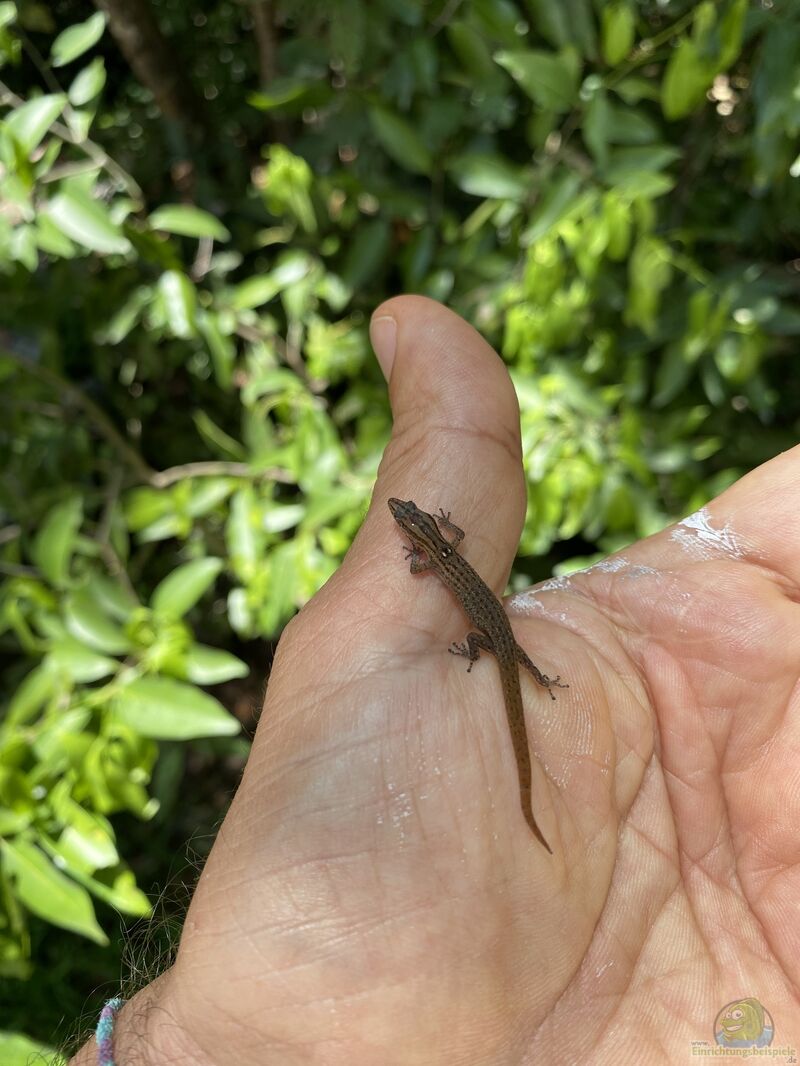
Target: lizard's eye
{"points": [[446, 553]]}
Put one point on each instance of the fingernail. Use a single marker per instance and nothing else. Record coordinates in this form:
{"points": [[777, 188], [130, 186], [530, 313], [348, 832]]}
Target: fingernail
{"points": [[383, 334]]}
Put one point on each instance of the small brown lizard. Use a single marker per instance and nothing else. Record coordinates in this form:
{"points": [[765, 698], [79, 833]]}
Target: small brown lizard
{"points": [[430, 550]]}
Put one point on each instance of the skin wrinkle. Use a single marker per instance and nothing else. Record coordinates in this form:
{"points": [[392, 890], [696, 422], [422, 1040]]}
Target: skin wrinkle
{"points": [[766, 955], [461, 434]]}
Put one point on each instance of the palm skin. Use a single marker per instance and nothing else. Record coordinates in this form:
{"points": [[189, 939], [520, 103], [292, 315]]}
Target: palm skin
{"points": [[375, 896]]}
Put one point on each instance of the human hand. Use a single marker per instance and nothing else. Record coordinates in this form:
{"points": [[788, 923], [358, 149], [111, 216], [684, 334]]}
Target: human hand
{"points": [[375, 896]]}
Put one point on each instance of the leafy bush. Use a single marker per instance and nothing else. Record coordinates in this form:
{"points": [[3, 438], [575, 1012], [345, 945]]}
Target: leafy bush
{"points": [[191, 418]]}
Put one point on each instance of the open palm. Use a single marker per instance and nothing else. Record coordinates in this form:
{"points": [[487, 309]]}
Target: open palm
{"points": [[375, 895]]}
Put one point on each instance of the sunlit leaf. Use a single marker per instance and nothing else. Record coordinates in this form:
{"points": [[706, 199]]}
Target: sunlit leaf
{"points": [[8, 13], [210, 666], [87, 622], [16, 1049], [551, 80], [75, 40], [55, 541], [80, 663], [85, 220], [171, 710], [619, 30], [180, 590], [260, 289], [179, 298], [33, 692], [88, 83], [47, 892], [30, 121], [686, 79], [188, 221], [490, 176]]}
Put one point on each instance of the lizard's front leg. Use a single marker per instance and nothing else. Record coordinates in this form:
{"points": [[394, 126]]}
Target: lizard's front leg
{"points": [[471, 648], [446, 526], [418, 559]]}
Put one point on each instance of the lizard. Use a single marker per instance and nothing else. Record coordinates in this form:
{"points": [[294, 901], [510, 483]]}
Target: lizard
{"points": [[432, 550]]}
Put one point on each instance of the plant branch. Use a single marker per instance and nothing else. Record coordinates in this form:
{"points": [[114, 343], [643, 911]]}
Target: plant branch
{"points": [[216, 468], [94, 151], [98, 416]]}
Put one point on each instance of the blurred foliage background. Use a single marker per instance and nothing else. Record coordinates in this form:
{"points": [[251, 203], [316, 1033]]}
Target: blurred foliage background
{"points": [[200, 204]]}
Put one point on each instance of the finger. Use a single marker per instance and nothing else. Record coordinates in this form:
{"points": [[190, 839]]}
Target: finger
{"points": [[455, 441], [755, 519]]}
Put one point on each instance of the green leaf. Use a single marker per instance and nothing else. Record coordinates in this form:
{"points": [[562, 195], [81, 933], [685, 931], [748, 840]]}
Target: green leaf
{"points": [[597, 126], [52, 241], [208, 493], [86, 842], [88, 623], [262, 288], [80, 663], [400, 141], [55, 542], [210, 666], [8, 13], [472, 51], [244, 534], [549, 80], [114, 600], [686, 80], [30, 121], [48, 893], [88, 83], [75, 40], [619, 31], [565, 22], [556, 202], [731, 32], [221, 347], [282, 91], [278, 518], [188, 221], [171, 710], [628, 125], [367, 251], [33, 692], [116, 886], [625, 163], [16, 1049], [180, 590], [490, 176], [144, 506], [86, 221], [179, 299], [649, 270]]}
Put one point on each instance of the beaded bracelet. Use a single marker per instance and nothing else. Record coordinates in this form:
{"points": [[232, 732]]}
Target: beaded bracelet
{"points": [[104, 1034]]}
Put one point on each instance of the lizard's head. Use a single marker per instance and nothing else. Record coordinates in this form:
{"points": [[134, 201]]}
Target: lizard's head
{"points": [[419, 526]]}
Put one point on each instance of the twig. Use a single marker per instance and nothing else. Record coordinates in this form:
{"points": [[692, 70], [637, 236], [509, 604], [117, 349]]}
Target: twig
{"points": [[10, 533], [644, 52], [444, 16], [107, 550], [216, 468], [17, 570], [101, 420], [202, 261]]}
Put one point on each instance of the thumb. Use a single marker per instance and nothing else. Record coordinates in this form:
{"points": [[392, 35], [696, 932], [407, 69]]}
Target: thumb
{"points": [[455, 441]]}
